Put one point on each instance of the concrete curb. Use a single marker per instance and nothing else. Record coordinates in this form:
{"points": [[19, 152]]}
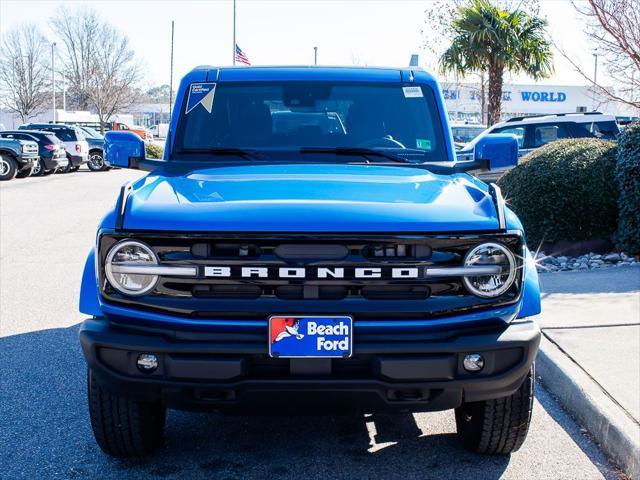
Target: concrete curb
{"points": [[617, 434]]}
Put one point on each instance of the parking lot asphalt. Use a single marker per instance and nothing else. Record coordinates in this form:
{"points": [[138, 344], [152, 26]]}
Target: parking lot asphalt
{"points": [[47, 226]]}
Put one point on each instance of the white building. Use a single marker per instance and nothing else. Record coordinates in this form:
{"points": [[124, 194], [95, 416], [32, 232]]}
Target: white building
{"points": [[463, 101]]}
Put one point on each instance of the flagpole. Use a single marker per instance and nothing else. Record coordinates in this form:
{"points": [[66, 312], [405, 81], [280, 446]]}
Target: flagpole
{"points": [[234, 32], [171, 76]]}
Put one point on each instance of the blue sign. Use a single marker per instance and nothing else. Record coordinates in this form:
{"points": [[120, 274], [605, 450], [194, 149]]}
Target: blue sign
{"points": [[201, 94], [298, 336], [543, 96]]}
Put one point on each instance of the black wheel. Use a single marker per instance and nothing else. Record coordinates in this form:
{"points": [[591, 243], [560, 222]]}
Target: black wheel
{"points": [[96, 162], [24, 173], [38, 169], [497, 426], [123, 427], [8, 167]]}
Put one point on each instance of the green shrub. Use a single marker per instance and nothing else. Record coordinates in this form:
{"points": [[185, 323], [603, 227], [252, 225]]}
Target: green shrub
{"points": [[565, 191], [153, 150], [627, 174]]}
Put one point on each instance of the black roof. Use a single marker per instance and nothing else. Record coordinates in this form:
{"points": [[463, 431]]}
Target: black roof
{"points": [[52, 126], [41, 132]]}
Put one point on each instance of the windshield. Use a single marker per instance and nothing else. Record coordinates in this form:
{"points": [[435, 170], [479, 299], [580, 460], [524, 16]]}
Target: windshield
{"points": [[290, 116], [91, 133]]}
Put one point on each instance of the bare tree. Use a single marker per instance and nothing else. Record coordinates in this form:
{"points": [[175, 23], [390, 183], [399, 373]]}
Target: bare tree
{"points": [[614, 29], [111, 88], [24, 71], [78, 34], [98, 62]]}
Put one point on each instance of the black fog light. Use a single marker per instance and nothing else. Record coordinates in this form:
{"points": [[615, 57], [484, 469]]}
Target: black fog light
{"points": [[473, 362], [147, 362]]}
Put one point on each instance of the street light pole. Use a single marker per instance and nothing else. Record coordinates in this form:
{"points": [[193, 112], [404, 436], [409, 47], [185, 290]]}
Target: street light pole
{"points": [[595, 78], [315, 55], [53, 79], [170, 76]]}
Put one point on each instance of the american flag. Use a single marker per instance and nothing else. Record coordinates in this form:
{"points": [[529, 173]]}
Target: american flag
{"points": [[241, 57]]}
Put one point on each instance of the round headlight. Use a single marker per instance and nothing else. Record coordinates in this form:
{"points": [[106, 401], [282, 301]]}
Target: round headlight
{"points": [[490, 254], [124, 255]]}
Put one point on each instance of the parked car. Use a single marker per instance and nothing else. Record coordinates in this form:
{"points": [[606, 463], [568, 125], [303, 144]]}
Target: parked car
{"points": [[160, 130], [463, 133], [95, 140], [537, 130], [142, 132], [17, 158], [362, 270], [71, 137], [286, 122], [53, 155]]}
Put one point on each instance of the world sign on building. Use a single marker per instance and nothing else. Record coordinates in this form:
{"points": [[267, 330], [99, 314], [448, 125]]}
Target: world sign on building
{"points": [[463, 100]]}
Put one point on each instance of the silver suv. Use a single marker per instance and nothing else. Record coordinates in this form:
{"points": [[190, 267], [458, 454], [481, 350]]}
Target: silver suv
{"points": [[537, 130]]}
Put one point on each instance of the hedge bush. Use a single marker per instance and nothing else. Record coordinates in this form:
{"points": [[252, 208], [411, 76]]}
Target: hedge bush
{"points": [[565, 191], [153, 150], [627, 175]]}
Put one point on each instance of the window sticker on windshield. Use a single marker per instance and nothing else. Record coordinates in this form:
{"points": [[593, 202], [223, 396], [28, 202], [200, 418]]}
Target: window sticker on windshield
{"points": [[412, 92], [423, 144], [201, 94]]}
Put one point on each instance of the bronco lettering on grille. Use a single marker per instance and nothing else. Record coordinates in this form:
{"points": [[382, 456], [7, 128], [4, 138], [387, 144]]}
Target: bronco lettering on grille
{"points": [[316, 272]]}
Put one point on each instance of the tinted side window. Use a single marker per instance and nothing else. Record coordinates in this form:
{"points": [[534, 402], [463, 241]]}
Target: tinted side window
{"points": [[517, 131], [65, 135], [605, 130], [543, 134]]}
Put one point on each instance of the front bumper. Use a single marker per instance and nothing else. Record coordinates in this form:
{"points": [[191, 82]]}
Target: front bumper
{"points": [[25, 161], [230, 370]]}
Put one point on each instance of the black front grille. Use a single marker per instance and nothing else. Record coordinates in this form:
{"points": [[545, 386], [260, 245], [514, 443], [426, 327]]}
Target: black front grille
{"points": [[258, 296]]}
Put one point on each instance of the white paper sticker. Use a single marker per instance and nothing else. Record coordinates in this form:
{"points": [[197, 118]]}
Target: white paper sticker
{"points": [[412, 92]]}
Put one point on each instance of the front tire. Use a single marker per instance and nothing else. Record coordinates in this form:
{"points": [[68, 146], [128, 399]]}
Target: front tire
{"points": [[498, 426], [8, 167], [121, 426]]}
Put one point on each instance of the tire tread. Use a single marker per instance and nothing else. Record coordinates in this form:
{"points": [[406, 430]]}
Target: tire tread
{"points": [[124, 427]]}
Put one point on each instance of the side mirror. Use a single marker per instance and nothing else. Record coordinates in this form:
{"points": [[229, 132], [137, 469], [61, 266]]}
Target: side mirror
{"points": [[499, 151], [126, 150], [121, 147]]}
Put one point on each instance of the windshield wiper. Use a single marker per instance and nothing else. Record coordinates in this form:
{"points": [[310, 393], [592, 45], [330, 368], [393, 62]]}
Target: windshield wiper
{"points": [[356, 151], [248, 154]]}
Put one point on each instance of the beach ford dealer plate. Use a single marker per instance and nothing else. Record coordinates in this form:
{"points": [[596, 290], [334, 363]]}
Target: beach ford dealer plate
{"points": [[310, 336]]}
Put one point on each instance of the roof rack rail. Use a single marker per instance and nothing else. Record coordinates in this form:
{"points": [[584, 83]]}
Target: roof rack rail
{"points": [[519, 119]]}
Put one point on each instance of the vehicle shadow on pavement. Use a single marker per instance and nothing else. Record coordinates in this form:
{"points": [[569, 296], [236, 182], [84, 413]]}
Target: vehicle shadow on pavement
{"points": [[45, 432]]}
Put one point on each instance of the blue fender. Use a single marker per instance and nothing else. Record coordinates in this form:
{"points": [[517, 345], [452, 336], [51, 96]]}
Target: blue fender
{"points": [[89, 294], [531, 288]]}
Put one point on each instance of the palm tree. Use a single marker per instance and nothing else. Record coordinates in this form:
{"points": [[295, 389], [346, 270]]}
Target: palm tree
{"points": [[488, 39]]}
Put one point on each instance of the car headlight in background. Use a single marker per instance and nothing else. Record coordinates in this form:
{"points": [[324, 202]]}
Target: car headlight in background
{"points": [[493, 285], [129, 267]]}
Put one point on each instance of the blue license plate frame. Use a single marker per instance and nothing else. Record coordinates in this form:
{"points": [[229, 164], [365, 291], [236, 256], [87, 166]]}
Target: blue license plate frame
{"points": [[297, 342]]}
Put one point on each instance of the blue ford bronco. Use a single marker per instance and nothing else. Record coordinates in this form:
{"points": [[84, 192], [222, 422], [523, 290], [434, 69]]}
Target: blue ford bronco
{"points": [[337, 259]]}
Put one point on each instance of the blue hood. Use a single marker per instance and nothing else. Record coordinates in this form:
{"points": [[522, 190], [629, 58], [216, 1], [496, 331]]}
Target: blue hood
{"points": [[309, 198]]}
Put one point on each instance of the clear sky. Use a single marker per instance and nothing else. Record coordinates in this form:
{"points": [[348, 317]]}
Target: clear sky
{"points": [[284, 31]]}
